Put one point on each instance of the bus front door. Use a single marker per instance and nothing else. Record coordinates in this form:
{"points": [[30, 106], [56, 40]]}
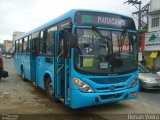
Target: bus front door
{"points": [[61, 65]]}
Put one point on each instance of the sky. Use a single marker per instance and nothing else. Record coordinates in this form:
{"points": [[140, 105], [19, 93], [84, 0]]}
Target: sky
{"points": [[25, 15]]}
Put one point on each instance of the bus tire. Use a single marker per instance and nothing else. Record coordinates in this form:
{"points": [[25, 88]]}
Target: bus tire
{"points": [[23, 75], [50, 90]]}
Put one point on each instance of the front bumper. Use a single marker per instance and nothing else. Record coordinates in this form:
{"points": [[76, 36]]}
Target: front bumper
{"points": [[148, 85], [80, 99]]}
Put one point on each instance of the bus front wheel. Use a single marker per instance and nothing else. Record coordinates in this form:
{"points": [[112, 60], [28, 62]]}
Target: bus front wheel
{"points": [[50, 90]]}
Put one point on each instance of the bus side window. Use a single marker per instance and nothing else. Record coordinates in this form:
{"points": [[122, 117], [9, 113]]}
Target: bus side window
{"points": [[35, 43], [44, 43], [16, 46], [29, 44], [34, 47], [20, 46], [25, 45], [50, 42], [41, 42]]}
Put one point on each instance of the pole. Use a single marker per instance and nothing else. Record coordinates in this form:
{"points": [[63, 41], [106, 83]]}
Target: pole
{"points": [[139, 17], [139, 3]]}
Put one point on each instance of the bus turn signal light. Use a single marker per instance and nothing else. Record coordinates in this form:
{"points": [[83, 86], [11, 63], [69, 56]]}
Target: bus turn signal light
{"points": [[75, 81]]}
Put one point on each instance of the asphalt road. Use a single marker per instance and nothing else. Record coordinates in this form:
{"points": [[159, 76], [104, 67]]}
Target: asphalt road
{"points": [[19, 98]]}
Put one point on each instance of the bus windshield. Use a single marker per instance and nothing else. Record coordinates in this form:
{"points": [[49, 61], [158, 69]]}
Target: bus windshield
{"points": [[105, 52]]}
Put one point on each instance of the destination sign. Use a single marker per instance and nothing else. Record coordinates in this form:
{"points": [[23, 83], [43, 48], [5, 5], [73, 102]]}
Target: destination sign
{"points": [[111, 21], [104, 19]]}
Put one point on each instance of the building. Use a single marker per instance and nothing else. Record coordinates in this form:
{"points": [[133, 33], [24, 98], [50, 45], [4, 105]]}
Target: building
{"points": [[154, 16], [2, 48], [16, 33], [8, 46], [152, 37]]}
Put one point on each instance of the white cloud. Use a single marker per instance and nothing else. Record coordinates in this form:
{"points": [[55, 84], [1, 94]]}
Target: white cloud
{"points": [[24, 15]]}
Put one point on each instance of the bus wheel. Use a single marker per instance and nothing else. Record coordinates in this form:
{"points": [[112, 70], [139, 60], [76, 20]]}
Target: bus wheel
{"points": [[23, 75], [50, 90]]}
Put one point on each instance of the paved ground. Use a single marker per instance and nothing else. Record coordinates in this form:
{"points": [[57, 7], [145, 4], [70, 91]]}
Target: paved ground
{"points": [[18, 97]]}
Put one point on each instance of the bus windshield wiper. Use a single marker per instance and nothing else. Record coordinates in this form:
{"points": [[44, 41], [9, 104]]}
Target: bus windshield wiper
{"points": [[104, 39]]}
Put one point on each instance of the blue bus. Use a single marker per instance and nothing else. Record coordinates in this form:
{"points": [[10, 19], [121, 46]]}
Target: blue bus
{"points": [[81, 58]]}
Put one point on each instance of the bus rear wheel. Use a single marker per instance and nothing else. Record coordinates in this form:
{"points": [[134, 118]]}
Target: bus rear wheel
{"points": [[23, 75]]}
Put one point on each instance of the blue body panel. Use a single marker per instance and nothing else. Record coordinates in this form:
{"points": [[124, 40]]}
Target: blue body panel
{"points": [[33, 68], [80, 99], [24, 61], [40, 71], [42, 68]]}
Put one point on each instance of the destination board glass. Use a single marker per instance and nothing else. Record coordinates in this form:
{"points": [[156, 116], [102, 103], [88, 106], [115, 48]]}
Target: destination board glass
{"points": [[104, 19]]}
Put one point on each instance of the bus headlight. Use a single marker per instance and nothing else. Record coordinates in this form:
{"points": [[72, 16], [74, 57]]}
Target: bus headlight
{"points": [[133, 83], [84, 87]]}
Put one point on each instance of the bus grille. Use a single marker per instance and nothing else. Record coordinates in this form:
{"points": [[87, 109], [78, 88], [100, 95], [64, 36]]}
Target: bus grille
{"points": [[103, 97], [110, 80], [109, 88]]}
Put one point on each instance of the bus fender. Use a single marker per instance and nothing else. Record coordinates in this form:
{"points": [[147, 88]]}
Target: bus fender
{"points": [[46, 75]]}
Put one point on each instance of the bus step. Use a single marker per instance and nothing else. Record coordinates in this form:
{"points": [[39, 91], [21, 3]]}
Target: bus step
{"points": [[35, 84], [61, 99]]}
